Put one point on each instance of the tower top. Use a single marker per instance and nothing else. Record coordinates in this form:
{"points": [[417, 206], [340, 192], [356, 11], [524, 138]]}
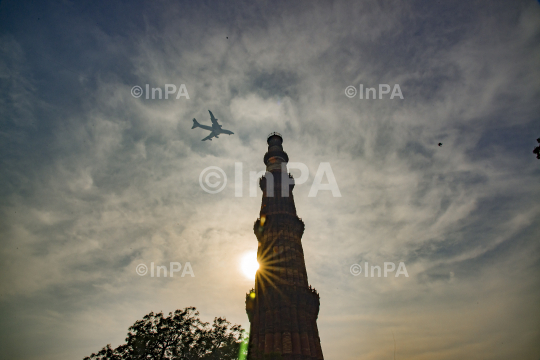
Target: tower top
{"points": [[274, 138], [275, 155]]}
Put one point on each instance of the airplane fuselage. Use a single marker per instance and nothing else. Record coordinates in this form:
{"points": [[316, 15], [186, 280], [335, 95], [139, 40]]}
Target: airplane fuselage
{"points": [[217, 129]]}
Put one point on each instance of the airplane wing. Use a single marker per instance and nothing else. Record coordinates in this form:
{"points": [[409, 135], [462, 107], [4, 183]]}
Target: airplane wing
{"points": [[214, 120], [209, 137], [223, 131]]}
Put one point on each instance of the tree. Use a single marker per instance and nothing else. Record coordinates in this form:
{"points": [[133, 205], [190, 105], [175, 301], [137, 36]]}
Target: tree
{"points": [[180, 336]]}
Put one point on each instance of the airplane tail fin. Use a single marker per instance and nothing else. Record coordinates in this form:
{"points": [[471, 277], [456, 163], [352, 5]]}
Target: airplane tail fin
{"points": [[195, 124]]}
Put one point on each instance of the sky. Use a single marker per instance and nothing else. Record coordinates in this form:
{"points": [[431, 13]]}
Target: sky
{"points": [[95, 181]]}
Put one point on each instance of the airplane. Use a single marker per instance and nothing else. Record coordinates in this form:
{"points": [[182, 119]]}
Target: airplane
{"points": [[215, 128]]}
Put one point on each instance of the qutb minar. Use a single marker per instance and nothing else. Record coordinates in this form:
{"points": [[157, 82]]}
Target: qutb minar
{"points": [[282, 308]]}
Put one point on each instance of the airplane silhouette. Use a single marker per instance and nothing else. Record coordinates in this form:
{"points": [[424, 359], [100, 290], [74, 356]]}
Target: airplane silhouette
{"points": [[215, 128]]}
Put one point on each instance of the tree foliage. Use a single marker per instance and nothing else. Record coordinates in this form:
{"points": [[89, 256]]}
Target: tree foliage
{"points": [[180, 336]]}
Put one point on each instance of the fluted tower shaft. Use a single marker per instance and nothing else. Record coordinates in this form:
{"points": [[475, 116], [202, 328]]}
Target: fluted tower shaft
{"points": [[282, 308]]}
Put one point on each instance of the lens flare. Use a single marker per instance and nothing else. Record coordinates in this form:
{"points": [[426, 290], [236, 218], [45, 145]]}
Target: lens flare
{"points": [[249, 264]]}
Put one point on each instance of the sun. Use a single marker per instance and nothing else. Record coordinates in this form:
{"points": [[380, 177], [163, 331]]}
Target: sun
{"points": [[249, 264]]}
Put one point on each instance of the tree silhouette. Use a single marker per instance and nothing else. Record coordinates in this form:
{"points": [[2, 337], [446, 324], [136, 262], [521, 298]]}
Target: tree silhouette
{"points": [[537, 149], [180, 336]]}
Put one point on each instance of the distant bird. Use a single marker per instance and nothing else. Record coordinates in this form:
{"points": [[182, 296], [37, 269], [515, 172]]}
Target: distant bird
{"points": [[440, 144], [537, 149], [227, 37]]}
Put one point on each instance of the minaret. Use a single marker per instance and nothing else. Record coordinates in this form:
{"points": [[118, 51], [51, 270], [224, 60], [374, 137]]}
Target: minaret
{"points": [[282, 308]]}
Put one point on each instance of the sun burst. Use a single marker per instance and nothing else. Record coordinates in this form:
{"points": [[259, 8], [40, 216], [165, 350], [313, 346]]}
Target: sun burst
{"points": [[249, 264]]}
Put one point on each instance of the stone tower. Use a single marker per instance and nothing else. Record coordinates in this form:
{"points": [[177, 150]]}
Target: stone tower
{"points": [[282, 308]]}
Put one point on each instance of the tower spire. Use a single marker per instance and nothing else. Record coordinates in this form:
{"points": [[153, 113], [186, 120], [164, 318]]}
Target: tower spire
{"points": [[282, 308]]}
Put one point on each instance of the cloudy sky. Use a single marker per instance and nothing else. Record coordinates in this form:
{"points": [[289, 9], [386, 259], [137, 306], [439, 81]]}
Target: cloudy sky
{"points": [[94, 181]]}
